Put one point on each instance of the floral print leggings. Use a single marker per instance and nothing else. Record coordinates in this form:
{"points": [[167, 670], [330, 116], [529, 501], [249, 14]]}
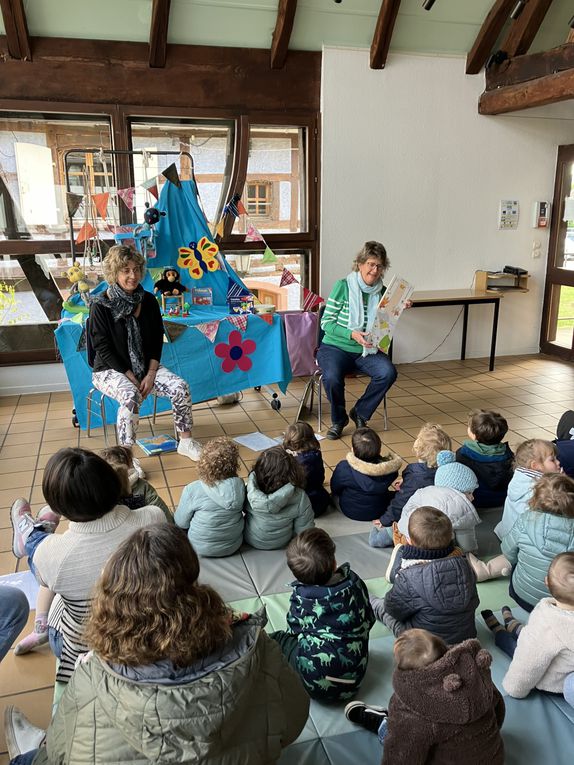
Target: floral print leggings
{"points": [[167, 384]]}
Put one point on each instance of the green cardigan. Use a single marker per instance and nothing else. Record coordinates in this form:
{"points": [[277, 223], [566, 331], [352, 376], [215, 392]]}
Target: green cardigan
{"points": [[335, 321]]}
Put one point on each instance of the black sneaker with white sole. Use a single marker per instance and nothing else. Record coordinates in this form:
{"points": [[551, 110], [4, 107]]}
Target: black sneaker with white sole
{"points": [[365, 715]]}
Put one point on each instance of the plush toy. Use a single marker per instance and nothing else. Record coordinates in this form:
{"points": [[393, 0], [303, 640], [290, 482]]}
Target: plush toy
{"points": [[152, 215], [79, 282], [169, 283]]}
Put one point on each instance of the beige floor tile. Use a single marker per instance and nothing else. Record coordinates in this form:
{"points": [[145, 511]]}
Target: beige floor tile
{"points": [[20, 482], [7, 564], [19, 674], [16, 464]]}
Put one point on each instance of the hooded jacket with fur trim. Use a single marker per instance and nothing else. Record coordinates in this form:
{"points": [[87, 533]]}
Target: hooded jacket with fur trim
{"points": [[363, 487], [447, 712]]}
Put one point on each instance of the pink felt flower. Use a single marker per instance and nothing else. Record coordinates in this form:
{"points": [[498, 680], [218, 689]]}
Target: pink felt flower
{"points": [[235, 352]]}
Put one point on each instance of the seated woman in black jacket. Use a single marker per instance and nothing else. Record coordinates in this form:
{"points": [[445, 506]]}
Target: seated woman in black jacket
{"points": [[126, 335]]}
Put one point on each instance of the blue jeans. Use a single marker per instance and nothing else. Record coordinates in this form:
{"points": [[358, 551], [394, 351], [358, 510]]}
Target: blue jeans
{"points": [[14, 610], [25, 759], [336, 363], [36, 536], [382, 537], [506, 641]]}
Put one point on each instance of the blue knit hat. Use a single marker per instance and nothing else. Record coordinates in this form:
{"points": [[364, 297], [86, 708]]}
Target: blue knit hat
{"points": [[453, 474]]}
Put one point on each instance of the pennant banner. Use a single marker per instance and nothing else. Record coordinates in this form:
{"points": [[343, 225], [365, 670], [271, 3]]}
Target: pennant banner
{"points": [[235, 290], [310, 300], [172, 175], [269, 256], [73, 201], [253, 234], [287, 278], [151, 186], [239, 320], [219, 229], [101, 203], [127, 197], [231, 207], [208, 330], [173, 330], [240, 208], [86, 232], [267, 317]]}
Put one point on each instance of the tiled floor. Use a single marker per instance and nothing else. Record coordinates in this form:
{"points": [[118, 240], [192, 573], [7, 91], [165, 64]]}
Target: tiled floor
{"points": [[530, 391]]}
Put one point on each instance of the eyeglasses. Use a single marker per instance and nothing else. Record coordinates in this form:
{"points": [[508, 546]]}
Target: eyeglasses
{"points": [[136, 271], [375, 266]]}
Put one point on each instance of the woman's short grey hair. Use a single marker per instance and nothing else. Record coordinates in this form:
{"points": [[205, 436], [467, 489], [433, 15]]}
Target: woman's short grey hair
{"points": [[117, 258], [372, 250]]}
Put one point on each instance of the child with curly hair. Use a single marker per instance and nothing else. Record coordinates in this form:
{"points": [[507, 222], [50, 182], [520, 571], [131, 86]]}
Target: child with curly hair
{"points": [[301, 442], [277, 507], [211, 508]]}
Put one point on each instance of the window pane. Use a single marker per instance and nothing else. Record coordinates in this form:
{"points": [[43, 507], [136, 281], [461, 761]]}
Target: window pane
{"points": [[561, 320], [275, 190], [32, 173], [263, 279], [209, 143], [565, 245]]}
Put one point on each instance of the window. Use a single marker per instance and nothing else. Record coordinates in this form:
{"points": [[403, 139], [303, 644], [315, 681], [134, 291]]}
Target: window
{"points": [[259, 199], [263, 279]]}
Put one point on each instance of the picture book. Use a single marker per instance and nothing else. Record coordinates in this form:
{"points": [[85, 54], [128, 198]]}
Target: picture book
{"points": [[201, 295], [241, 304], [391, 306], [157, 444]]}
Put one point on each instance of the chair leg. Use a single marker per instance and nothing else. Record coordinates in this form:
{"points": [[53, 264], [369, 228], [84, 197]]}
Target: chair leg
{"points": [[154, 407], [103, 417], [89, 409], [320, 403], [304, 397]]}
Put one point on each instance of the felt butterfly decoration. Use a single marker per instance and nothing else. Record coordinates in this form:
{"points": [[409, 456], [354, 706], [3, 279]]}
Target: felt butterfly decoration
{"points": [[199, 258]]}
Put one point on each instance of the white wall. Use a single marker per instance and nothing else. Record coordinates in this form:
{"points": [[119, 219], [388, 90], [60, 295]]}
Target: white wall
{"points": [[33, 378], [408, 160]]}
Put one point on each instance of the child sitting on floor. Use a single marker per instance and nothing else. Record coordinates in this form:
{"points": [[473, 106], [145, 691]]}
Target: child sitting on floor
{"points": [[452, 494], [542, 650], [212, 507], [82, 487], [430, 440], [277, 507], [538, 535], [434, 587], [532, 460], [361, 481], [487, 457], [301, 443], [445, 707], [329, 619], [565, 442], [137, 492]]}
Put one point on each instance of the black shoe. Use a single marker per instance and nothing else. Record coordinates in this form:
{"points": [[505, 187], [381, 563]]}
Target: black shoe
{"points": [[357, 419], [367, 716], [336, 430]]}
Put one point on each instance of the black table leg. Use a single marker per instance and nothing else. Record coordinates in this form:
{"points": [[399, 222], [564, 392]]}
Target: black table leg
{"points": [[464, 329], [494, 332]]}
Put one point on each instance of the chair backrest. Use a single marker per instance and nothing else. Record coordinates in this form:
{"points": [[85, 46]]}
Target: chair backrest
{"points": [[90, 352]]}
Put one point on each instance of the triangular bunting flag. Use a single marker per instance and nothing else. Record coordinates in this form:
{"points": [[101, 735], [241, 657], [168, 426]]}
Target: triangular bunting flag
{"points": [[239, 320], [219, 228], [73, 201], [173, 330], [86, 232], [209, 329], [310, 300], [127, 197], [267, 317], [241, 208], [151, 186], [172, 175], [231, 207], [287, 278], [269, 256], [101, 203], [253, 234], [235, 290]]}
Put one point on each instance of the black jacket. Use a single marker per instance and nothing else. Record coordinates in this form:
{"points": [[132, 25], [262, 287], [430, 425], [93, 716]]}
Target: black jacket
{"points": [[566, 456], [439, 595], [312, 464], [493, 472], [363, 487], [415, 476], [109, 338]]}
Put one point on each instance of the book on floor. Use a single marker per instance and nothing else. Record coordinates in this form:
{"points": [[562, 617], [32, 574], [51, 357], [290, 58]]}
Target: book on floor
{"points": [[157, 444]]}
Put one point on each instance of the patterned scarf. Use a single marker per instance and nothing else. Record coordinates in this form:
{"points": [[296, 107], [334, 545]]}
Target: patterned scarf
{"points": [[123, 306]]}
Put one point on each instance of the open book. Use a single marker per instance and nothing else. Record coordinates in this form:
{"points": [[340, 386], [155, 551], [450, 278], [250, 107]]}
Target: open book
{"points": [[390, 309]]}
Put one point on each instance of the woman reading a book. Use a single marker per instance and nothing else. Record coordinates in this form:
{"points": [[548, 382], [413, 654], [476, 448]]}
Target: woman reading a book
{"points": [[346, 347], [125, 338]]}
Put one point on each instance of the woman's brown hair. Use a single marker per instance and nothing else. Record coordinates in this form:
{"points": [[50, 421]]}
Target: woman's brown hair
{"points": [[275, 468], [554, 494], [148, 605], [372, 249], [117, 258], [300, 437], [219, 460]]}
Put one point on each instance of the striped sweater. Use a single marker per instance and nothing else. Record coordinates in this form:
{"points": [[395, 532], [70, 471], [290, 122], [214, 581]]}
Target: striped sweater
{"points": [[69, 564], [335, 321]]}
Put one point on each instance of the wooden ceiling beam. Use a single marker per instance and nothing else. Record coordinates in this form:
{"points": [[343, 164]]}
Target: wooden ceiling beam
{"points": [[524, 68], [524, 29], [158, 33], [488, 35], [17, 37], [525, 95], [383, 33], [282, 33], [570, 38]]}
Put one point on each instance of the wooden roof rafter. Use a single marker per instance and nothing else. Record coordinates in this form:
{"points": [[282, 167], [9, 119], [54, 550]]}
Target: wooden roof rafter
{"points": [[383, 33], [17, 37], [282, 33], [488, 35], [158, 33], [524, 29]]}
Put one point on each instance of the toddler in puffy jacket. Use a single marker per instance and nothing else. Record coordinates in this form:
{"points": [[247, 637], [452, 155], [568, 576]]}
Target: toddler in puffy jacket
{"points": [[434, 587], [211, 509], [301, 443]]}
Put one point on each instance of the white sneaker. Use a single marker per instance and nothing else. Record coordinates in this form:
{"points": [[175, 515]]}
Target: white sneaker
{"points": [[21, 735], [191, 448], [138, 468]]}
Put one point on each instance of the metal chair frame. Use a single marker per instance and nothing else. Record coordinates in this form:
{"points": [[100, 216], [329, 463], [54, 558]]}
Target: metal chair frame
{"points": [[99, 408]]}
